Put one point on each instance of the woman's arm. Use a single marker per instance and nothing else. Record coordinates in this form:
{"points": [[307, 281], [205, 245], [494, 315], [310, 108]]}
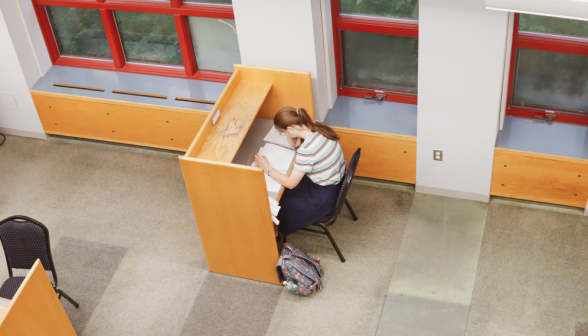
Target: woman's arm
{"points": [[289, 182]]}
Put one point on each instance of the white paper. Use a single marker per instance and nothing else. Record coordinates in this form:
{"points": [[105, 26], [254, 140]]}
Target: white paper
{"points": [[271, 184], [279, 158], [274, 137]]}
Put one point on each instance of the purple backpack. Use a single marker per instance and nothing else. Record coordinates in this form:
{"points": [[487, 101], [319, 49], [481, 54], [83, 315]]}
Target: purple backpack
{"points": [[299, 271]]}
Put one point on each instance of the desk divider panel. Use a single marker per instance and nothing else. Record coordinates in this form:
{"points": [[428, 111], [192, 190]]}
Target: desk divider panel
{"points": [[539, 177], [232, 212], [35, 309], [230, 201]]}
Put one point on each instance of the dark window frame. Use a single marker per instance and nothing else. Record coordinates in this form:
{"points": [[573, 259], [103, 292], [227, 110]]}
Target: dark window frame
{"points": [[180, 11], [368, 24]]}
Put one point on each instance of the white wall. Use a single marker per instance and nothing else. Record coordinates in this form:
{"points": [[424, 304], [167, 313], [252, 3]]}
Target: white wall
{"points": [[21, 119], [461, 56], [286, 35]]}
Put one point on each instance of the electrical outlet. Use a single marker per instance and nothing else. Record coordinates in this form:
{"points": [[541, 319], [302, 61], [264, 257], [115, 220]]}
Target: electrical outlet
{"points": [[437, 155]]}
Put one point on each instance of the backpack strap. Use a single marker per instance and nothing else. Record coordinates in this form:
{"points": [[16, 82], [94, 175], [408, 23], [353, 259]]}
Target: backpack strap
{"points": [[306, 257]]}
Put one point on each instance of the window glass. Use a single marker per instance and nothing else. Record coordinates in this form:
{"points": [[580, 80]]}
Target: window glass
{"points": [[407, 9], [230, 2], [380, 61], [215, 43], [551, 80], [78, 31], [552, 25], [149, 37]]}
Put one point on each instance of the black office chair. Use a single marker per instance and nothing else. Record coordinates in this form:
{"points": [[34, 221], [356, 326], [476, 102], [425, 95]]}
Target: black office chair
{"points": [[24, 241], [342, 198]]}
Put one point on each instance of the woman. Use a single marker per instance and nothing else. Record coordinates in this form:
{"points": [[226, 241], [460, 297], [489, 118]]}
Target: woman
{"points": [[313, 185]]}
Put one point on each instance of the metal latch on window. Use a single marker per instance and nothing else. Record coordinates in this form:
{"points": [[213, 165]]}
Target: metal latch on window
{"points": [[378, 97], [548, 117]]}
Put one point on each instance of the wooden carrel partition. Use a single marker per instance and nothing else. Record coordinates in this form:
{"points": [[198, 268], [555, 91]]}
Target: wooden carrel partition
{"points": [[35, 309], [230, 201]]}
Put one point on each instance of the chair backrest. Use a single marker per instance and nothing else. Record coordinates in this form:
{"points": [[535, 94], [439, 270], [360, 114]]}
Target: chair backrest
{"points": [[24, 241], [346, 182]]}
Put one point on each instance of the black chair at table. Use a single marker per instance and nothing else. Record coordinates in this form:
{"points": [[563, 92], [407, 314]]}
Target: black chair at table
{"points": [[342, 198], [24, 241]]}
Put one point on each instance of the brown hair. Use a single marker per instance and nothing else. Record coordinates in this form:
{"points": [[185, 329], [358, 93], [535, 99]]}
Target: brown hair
{"points": [[289, 116]]}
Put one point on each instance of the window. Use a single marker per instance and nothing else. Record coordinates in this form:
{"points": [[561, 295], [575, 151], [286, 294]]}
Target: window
{"points": [[549, 69], [376, 46], [194, 39]]}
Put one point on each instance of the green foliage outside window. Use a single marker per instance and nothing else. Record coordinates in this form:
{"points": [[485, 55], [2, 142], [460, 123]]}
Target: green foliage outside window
{"points": [[149, 37], [382, 61], [552, 25], [551, 79], [78, 31], [407, 9]]}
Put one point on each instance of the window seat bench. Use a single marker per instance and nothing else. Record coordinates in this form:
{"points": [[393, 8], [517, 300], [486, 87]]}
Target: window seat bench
{"points": [[385, 132], [541, 161], [85, 105]]}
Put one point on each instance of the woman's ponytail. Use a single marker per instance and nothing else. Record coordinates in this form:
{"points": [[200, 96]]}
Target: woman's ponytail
{"points": [[289, 116]]}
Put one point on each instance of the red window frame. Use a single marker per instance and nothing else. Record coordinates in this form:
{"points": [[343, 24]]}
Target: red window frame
{"points": [[547, 42], [368, 24], [180, 11]]}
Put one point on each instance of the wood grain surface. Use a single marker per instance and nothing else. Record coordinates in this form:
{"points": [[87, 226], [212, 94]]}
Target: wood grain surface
{"points": [[384, 156], [234, 122], [289, 88], [116, 121], [221, 103], [540, 177], [35, 309], [232, 212]]}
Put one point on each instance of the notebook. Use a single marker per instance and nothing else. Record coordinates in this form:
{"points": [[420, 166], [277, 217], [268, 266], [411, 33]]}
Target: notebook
{"points": [[280, 159], [274, 137]]}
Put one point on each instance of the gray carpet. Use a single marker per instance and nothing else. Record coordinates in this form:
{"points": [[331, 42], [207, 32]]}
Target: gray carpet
{"points": [[532, 272], [354, 291], [229, 306], [84, 270]]}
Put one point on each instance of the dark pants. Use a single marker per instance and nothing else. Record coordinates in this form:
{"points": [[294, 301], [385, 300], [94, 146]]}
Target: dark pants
{"points": [[304, 205]]}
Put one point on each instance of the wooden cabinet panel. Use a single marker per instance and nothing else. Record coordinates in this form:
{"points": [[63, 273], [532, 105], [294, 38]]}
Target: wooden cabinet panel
{"points": [[116, 121], [383, 156], [540, 177]]}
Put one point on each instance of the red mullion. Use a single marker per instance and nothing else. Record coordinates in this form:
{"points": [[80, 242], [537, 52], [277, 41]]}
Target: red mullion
{"points": [[156, 7], [148, 69], [378, 26], [85, 63], [47, 32], [391, 97], [186, 47], [118, 55], [513, 63], [554, 44], [335, 12], [176, 3], [212, 76], [564, 118]]}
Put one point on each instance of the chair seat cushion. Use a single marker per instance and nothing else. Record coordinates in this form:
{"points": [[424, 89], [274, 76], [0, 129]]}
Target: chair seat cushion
{"points": [[10, 287]]}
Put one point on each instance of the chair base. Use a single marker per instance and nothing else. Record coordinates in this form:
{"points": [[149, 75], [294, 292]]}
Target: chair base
{"points": [[61, 293]]}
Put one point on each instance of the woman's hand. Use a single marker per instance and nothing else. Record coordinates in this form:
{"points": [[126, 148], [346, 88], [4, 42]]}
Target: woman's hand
{"points": [[262, 162]]}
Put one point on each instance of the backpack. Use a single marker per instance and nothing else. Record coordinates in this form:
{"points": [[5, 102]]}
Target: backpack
{"points": [[300, 272]]}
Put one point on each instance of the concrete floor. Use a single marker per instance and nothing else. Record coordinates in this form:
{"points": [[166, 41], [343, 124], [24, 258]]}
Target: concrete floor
{"points": [[127, 247]]}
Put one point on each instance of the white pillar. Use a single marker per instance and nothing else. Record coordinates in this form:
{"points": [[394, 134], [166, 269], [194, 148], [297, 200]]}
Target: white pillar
{"points": [[461, 59], [286, 35]]}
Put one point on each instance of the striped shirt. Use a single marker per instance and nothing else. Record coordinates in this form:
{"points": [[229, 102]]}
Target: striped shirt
{"points": [[321, 159]]}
